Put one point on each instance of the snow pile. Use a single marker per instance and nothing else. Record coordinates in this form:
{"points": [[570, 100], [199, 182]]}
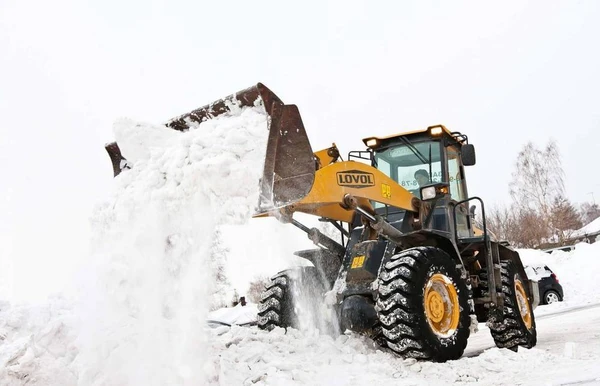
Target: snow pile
{"points": [[36, 344], [537, 272], [154, 244], [577, 272], [159, 242]]}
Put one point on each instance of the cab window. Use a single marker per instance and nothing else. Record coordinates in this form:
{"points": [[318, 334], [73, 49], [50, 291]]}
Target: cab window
{"points": [[412, 165], [454, 175]]}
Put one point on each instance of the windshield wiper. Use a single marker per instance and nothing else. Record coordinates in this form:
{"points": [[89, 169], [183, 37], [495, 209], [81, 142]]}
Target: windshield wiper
{"points": [[430, 173], [415, 150]]}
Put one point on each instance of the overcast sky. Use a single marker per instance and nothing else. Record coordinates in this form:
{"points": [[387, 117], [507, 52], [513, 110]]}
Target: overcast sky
{"points": [[504, 75]]}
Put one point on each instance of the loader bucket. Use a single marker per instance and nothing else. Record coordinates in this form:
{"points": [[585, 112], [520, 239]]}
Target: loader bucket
{"points": [[289, 167]]}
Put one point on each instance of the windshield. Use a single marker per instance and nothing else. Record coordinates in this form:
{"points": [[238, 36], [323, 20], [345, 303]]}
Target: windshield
{"points": [[412, 165]]}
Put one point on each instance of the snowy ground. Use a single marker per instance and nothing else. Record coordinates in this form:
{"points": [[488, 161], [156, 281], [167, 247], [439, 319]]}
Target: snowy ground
{"points": [[181, 215], [568, 352], [40, 348]]}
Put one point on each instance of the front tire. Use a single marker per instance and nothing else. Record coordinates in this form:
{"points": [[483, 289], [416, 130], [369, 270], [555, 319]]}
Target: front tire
{"points": [[292, 299], [422, 305]]}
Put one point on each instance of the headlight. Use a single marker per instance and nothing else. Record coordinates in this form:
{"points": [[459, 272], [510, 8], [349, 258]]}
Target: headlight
{"points": [[435, 131], [433, 191], [372, 142], [428, 193]]}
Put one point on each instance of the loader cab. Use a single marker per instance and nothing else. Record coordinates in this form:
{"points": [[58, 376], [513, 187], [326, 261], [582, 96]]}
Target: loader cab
{"points": [[425, 157]]}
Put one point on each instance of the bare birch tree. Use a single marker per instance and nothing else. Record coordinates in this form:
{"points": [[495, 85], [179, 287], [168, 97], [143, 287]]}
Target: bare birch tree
{"points": [[503, 223], [537, 182]]}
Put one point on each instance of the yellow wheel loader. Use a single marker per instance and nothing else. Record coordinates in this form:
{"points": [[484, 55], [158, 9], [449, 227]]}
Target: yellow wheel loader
{"points": [[411, 270]]}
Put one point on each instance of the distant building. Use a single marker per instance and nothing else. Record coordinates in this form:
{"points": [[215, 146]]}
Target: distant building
{"points": [[588, 234]]}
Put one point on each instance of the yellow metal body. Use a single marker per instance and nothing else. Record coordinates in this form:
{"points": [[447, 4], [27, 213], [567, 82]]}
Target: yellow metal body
{"points": [[327, 156], [364, 182]]}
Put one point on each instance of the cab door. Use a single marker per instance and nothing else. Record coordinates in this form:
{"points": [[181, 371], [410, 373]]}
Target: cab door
{"points": [[458, 191]]}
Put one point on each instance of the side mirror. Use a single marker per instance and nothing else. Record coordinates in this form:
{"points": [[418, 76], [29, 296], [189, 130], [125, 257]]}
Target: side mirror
{"points": [[468, 154]]}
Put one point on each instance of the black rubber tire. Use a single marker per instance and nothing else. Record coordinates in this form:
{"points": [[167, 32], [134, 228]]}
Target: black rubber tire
{"points": [[512, 332], [401, 309], [279, 304], [377, 335], [545, 298]]}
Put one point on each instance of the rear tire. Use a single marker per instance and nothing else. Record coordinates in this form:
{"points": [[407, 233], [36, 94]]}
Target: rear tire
{"points": [[292, 299], [518, 327], [423, 305]]}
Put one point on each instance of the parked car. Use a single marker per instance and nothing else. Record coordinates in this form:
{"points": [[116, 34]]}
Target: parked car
{"points": [[550, 289]]}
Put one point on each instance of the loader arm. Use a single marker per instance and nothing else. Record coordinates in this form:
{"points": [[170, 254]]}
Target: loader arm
{"points": [[332, 183]]}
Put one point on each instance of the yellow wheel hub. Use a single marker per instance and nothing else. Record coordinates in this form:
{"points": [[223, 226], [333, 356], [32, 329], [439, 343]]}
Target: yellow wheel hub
{"points": [[523, 304], [441, 305]]}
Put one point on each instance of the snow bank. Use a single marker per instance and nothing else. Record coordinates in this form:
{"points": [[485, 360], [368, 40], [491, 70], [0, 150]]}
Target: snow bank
{"points": [[577, 272]]}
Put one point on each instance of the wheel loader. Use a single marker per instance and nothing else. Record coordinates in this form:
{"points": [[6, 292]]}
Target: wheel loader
{"points": [[411, 269]]}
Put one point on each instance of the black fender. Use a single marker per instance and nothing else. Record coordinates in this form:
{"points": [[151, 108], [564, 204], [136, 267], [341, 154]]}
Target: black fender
{"points": [[432, 238]]}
